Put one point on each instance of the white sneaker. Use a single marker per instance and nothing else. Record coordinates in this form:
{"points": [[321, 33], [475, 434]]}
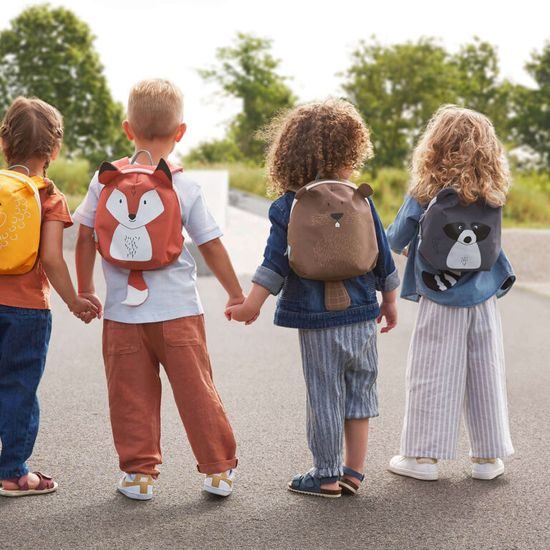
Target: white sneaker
{"points": [[136, 486], [419, 468], [219, 484], [487, 468]]}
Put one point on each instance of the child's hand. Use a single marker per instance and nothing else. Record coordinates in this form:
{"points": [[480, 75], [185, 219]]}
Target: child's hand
{"points": [[233, 301], [84, 309], [94, 298], [405, 252], [245, 313], [388, 310]]}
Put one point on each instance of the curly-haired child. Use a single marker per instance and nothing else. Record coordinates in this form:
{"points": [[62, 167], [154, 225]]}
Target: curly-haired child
{"points": [[325, 140], [456, 358]]}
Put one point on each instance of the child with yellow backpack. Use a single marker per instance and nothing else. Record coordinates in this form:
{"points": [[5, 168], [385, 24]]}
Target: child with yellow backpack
{"points": [[33, 214]]}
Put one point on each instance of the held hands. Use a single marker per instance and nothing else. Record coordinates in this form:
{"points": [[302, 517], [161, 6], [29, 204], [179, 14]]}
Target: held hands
{"points": [[237, 309], [87, 307], [245, 313]]}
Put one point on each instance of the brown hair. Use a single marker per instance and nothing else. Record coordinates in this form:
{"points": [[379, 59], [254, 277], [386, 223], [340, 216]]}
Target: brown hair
{"points": [[155, 108], [460, 149], [315, 140], [31, 128]]}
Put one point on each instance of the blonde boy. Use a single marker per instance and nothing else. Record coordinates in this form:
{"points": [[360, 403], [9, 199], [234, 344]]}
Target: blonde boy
{"points": [[168, 328]]}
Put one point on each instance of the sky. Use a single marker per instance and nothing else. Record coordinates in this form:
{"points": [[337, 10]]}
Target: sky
{"points": [[314, 40]]}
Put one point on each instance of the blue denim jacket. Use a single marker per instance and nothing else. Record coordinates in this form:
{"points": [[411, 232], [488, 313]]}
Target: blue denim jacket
{"points": [[470, 289], [301, 303]]}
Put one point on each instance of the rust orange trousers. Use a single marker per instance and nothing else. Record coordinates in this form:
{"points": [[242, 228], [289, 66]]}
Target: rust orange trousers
{"points": [[133, 354]]}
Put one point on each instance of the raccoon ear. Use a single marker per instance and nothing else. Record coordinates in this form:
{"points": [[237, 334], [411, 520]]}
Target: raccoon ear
{"points": [[448, 195], [301, 193], [107, 173], [365, 190], [163, 174]]}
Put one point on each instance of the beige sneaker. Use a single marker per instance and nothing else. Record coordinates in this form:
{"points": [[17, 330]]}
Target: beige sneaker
{"points": [[219, 484], [487, 468], [418, 468], [136, 486]]}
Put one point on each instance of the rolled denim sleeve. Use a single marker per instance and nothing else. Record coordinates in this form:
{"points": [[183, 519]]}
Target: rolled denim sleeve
{"points": [[275, 267], [385, 273], [405, 226]]}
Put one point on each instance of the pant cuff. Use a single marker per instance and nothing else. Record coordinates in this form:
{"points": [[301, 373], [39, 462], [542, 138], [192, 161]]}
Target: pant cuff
{"points": [[20, 472], [418, 453], [217, 467], [500, 453], [330, 471]]}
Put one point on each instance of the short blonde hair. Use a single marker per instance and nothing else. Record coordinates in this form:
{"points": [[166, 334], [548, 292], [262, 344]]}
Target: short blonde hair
{"points": [[460, 149], [155, 108]]}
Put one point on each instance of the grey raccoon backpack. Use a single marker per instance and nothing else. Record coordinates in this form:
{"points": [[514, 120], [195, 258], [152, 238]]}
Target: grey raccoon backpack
{"points": [[457, 237]]}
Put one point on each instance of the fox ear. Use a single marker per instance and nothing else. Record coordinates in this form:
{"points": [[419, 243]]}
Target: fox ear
{"points": [[163, 174], [107, 173]]}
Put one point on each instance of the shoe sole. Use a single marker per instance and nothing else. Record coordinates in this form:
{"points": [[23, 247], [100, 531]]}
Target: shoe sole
{"points": [[413, 474], [133, 496], [347, 489], [488, 476], [29, 493], [217, 491], [323, 495]]}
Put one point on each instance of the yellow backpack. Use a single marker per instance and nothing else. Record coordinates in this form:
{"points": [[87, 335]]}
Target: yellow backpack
{"points": [[20, 221]]}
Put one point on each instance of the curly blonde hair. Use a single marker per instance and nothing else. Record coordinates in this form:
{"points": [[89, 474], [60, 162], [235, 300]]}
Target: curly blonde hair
{"points": [[315, 140], [460, 149]]}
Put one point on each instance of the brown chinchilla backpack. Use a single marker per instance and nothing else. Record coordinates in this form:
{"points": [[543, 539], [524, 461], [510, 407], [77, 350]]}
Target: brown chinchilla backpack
{"points": [[331, 236]]}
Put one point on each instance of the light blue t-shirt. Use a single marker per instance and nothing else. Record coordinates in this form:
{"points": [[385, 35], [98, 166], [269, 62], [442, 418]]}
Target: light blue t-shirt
{"points": [[172, 289]]}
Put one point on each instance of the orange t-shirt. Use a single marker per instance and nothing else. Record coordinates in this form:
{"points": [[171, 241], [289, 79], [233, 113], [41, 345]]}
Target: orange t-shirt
{"points": [[32, 289]]}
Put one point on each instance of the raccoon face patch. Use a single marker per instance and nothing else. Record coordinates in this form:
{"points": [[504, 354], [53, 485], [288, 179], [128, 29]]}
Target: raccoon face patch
{"points": [[465, 253]]}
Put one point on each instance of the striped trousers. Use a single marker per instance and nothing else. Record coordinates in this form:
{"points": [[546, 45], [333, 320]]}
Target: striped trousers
{"points": [[340, 368], [456, 365]]}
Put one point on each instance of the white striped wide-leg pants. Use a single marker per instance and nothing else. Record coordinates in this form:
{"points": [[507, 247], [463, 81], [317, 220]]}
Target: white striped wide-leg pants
{"points": [[455, 364]]}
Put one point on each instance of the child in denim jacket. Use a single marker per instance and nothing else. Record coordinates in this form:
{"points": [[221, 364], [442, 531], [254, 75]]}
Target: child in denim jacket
{"points": [[339, 356], [456, 357]]}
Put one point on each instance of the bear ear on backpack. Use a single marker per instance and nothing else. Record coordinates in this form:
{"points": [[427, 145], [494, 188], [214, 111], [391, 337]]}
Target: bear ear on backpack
{"points": [[365, 190], [107, 173], [300, 193], [163, 173]]}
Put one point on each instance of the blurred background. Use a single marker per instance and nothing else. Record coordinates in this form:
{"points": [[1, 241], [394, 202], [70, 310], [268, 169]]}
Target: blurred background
{"points": [[239, 63]]}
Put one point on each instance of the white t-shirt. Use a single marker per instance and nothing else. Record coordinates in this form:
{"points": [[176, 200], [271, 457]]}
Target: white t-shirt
{"points": [[172, 289]]}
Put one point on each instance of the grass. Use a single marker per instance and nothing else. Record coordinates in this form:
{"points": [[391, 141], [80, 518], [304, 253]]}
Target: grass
{"points": [[528, 202]]}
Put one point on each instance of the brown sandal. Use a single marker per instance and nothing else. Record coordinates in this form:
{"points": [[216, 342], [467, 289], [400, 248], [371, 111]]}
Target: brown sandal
{"points": [[46, 485]]}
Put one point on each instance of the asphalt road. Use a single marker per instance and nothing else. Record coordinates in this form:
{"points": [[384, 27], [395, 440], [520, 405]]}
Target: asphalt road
{"points": [[258, 373]]}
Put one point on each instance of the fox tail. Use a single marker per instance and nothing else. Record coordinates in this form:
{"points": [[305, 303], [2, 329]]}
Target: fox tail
{"points": [[137, 289]]}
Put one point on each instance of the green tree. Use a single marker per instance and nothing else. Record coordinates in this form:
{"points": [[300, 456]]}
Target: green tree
{"points": [[478, 85], [397, 88], [49, 53], [247, 71], [212, 152], [532, 106]]}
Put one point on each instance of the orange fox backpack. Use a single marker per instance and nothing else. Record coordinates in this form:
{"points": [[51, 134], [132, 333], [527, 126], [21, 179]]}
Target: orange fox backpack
{"points": [[138, 224], [20, 221]]}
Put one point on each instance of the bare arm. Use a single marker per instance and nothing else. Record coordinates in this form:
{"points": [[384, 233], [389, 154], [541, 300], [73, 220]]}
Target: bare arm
{"points": [[217, 259], [51, 257], [85, 260]]}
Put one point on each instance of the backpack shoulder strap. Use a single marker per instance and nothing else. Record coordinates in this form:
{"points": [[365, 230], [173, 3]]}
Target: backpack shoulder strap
{"points": [[121, 163], [126, 162]]}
